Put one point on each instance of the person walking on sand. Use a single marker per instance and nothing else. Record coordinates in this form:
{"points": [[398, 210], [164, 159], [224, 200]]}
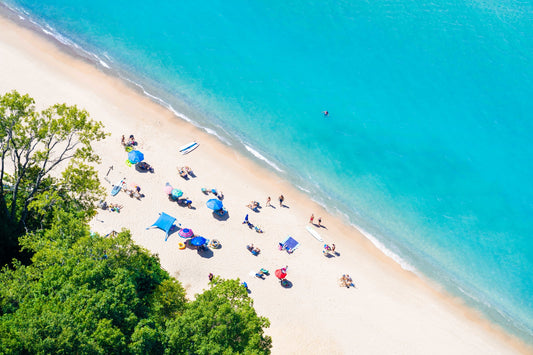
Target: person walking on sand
{"points": [[319, 221], [312, 218], [268, 201], [281, 199]]}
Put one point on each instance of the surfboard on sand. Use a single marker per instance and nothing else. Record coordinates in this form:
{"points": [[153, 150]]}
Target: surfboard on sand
{"points": [[314, 233], [116, 188], [189, 147]]}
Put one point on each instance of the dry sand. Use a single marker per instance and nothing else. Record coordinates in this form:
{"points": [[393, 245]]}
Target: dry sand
{"points": [[390, 311]]}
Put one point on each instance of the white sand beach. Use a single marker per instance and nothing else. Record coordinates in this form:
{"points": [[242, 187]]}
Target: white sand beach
{"points": [[389, 311]]}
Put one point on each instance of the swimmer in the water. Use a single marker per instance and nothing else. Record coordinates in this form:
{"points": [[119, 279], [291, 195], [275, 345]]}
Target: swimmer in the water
{"points": [[325, 113]]}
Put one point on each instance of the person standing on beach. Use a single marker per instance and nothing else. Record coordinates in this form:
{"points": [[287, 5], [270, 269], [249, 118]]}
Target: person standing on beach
{"points": [[268, 201], [281, 199], [319, 221], [312, 218]]}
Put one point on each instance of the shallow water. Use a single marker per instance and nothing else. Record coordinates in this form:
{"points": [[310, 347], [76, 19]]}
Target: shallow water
{"points": [[429, 133]]}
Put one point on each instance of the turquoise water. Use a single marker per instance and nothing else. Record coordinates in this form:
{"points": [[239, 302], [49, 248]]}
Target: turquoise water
{"points": [[428, 143]]}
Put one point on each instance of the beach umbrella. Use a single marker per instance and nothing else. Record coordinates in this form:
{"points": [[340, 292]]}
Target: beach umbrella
{"points": [[281, 274], [167, 189], [135, 156], [214, 204], [198, 241], [186, 233], [176, 193]]}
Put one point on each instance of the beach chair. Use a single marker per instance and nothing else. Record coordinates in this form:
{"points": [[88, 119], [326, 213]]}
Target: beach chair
{"points": [[260, 274], [265, 271]]}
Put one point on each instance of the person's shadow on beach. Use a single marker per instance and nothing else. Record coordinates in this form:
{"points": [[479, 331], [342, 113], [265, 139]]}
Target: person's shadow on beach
{"points": [[284, 206]]}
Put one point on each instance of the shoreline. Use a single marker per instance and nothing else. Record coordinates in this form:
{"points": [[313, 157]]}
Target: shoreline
{"points": [[123, 109]]}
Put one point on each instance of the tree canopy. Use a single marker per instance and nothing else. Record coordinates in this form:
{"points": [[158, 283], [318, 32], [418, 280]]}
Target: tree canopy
{"points": [[81, 292], [45, 162]]}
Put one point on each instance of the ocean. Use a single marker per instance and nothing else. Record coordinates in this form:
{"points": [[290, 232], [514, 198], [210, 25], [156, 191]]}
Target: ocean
{"points": [[429, 136]]}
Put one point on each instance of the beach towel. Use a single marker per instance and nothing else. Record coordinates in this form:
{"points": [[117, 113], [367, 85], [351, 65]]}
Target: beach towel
{"points": [[290, 244]]}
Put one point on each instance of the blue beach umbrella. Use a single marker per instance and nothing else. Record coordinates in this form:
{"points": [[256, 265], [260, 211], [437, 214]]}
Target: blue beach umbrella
{"points": [[214, 204], [176, 193], [197, 241], [135, 156]]}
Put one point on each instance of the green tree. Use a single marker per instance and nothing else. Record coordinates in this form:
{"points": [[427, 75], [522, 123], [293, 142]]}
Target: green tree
{"points": [[221, 320], [32, 146], [84, 294]]}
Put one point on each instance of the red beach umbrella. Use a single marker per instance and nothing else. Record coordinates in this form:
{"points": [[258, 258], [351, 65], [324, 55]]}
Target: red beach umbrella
{"points": [[280, 274]]}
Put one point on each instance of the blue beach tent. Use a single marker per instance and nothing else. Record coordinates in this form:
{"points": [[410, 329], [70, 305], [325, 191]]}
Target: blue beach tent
{"points": [[164, 222]]}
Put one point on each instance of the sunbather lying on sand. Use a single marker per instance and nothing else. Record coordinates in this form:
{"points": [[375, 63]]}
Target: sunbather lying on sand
{"points": [[182, 172], [113, 207], [253, 205]]}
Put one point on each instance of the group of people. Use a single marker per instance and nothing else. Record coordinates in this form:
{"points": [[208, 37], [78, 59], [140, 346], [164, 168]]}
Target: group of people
{"points": [[215, 192], [134, 192], [346, 281], [184, 171], [281, 198], [254, 250], [328, 248], [112, 207], [312, 219], [253, 205], [130, 142]]}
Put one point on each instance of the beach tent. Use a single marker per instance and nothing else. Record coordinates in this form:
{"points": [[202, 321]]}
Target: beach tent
{"points": [[290, 244], [164, 222]]}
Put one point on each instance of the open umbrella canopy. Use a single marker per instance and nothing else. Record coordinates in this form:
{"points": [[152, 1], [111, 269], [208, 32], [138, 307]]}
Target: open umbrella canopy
{"points": [[176, 193], [214, 204], [135, 156], [186, 233], [167, 189], [281, 274], [198, 241]]}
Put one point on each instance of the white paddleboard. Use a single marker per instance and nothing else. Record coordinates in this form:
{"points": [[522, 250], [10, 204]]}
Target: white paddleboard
{"points": [[189, 147], [314, 233]]}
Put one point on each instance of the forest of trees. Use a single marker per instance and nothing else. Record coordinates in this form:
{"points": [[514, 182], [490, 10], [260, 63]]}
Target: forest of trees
{"points": [[66, 290]]}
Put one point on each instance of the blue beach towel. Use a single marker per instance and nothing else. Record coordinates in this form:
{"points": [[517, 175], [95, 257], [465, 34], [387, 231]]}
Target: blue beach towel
{"points": [[290, 244]]}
